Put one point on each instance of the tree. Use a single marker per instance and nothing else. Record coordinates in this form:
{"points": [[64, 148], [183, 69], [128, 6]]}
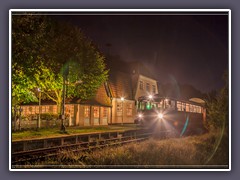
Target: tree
{"points": [[21, 88], [45, 49], [217, 108], [26, 43]]}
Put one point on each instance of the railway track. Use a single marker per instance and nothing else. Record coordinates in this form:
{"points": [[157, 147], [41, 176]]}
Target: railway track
{"points": [[23, 157]]}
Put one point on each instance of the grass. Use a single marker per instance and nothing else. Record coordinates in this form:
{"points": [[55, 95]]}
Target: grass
{"points": [[55, 132], [189, 152]]}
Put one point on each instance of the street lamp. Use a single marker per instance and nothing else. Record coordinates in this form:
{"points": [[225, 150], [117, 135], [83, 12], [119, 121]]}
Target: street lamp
{"points": [[150, 97], [122, 99], [65, 74], [39, 105]]}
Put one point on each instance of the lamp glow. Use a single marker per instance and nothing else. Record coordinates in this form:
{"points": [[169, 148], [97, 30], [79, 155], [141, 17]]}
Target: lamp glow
{"points": [[160, 115], [140, 115], [150, 96]]}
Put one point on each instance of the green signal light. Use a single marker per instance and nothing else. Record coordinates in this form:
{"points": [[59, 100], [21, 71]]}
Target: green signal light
{"points": [[148, 106]]}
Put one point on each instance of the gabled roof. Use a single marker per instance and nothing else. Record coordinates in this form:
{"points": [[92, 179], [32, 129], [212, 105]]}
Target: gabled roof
{"points": [[123, 76], [141, 69], [120, 84], [101, 98]]}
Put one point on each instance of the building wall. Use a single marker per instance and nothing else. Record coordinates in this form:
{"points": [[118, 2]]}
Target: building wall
{"points": [[76, 115], [141, 90], [123, 111]]}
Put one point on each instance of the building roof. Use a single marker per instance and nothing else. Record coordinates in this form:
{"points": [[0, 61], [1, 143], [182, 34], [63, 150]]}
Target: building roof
{"points": [[123, 76], [101, 98], [120, 84], [141, 69]]}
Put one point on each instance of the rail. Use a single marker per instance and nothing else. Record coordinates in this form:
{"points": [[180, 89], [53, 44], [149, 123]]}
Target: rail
{"points": [[75, 143]]}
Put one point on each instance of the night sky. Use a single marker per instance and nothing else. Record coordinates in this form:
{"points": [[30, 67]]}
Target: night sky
{"points": [[191, 49]]}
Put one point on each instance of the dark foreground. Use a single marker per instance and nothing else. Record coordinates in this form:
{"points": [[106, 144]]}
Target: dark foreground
{"points": [[208, 151]]}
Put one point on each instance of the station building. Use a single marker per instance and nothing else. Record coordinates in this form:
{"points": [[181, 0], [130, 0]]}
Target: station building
{"points": [[114, 102]]}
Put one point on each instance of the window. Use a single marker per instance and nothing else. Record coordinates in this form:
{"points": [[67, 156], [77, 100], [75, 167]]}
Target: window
{"points": [[167, 103], [30, 110], [141, 85], [86, 111], [69, 109], [147, 87], [43, 109], [105, 112], [141, 105], [154, 89], [47, 109], [183, 106], [24, 112], [119, 109], [191, 108], [187, 108], [37, 109], [129, 109], [198, 109], [172, 103], [96, 112], [179, 106], [160, 105], [55, 109], [51, 109]]}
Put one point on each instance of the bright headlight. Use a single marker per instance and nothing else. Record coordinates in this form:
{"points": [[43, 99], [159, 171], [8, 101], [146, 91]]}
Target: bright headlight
{"points": [[140, 115], [160, 115]]}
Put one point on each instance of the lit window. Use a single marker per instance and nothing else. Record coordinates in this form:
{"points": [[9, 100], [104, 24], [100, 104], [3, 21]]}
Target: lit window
{"points": [[147, 87], [141, 85], [129, 109], [191, 108], [47, 109], [160, 105], [119, 109], [167, 103], [55, 109], [154, 89], [69, 109], [43, 109], [30, 110], [179, 106], [183, 106], [37, 109], [105, 112], [187, 108], [24, 112], [86, 111], [96, 112], [51, 109], [148, 106]]}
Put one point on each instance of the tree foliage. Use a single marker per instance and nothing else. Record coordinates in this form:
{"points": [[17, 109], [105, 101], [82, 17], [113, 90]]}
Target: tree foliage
{"points": [[218, 108], [44, 50]]}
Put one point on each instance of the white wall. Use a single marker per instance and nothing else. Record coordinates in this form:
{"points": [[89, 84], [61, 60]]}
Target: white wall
{"points": [[144, 92]]}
